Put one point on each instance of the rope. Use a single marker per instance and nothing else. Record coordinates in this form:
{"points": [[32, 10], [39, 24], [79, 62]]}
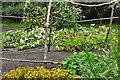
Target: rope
{"points": [[98, 5], [32, 61]]}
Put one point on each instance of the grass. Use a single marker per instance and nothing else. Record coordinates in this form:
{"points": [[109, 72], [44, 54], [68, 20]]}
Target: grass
{"points": [[15, 25], [12, 24], [114, 26]]}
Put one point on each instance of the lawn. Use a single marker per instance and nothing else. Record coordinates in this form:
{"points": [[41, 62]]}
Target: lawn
{"points": [[12, 24]]}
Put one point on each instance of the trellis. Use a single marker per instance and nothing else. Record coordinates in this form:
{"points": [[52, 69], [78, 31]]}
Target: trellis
{"points": [[113, 2]]}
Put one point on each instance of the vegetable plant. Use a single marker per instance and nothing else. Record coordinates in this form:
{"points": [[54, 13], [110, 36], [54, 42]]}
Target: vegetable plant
{"points": [[91, 65]]}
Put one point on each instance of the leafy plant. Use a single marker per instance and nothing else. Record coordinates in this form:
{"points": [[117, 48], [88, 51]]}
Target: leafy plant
{"points": [[13, 10], [84, 39], [91, 65], [63, 12], [35, 16], [21, 39]]}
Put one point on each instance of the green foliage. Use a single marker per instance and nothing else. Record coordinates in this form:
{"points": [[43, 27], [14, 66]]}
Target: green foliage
{"points": [[35, 16], [91, 65], [62, 11], [84, 39], [80, 39], [13, 10], [21, 39]]}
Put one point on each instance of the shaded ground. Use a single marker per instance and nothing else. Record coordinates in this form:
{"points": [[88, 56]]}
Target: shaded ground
{"points": [[8, 28]]}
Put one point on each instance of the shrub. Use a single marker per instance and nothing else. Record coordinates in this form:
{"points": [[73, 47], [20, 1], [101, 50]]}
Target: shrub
{"points": [[14, 10], [35, 16], [63, 12], [39, 73]]}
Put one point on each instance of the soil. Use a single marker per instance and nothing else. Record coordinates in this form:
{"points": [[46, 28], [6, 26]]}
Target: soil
{"points": [[31, 54], [8, 28]]}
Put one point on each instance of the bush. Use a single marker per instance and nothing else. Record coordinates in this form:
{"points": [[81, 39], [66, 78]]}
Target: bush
{"points": [[63, 12], [14, 10], [36, 17], [38, 73]]}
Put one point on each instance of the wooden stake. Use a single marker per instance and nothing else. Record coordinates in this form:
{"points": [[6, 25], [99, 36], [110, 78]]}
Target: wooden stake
{"points": [[101, 22], [111, 20], [46, 31]]}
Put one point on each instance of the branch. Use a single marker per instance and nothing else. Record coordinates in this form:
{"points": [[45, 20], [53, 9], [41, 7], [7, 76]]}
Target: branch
{"points": [[32, 61], [98, 5]]}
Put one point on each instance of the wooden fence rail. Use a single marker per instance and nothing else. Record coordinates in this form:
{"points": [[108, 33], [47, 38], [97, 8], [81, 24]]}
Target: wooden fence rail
{"points": [[89, 19], [62, 18], [19, 17]]}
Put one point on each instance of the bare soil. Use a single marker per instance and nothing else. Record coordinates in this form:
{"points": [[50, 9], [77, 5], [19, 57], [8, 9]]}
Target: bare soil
{"points": [[8, 28], [31, 54]]}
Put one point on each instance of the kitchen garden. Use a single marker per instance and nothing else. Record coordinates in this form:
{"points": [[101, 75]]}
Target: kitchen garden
{"points": [[79, 41]]}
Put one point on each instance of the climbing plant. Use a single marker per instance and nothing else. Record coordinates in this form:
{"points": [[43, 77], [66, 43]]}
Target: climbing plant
{"points": [[36, 15], [63, 12]]}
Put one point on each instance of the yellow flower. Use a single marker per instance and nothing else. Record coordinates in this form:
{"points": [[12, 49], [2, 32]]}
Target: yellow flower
{"points": [[38, 72]]}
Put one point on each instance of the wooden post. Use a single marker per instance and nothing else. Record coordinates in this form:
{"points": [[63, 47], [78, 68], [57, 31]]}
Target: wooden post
{"points": [[101, 22], [50, 33], [46, 31], [111, 20]]}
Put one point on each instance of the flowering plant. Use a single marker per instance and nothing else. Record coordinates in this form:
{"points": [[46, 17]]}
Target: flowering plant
{"points": [[39, 73]]}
